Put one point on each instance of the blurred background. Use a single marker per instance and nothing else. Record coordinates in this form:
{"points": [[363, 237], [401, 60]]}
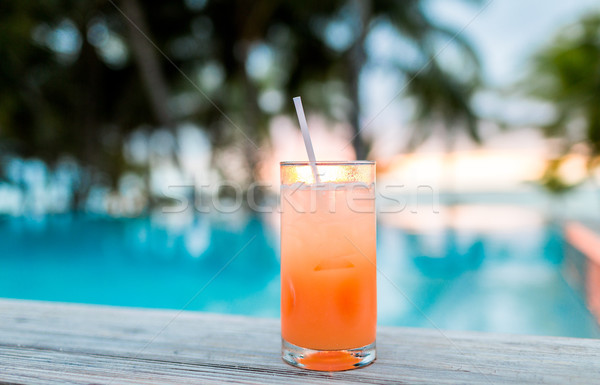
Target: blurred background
{"points": [[140, 144]]}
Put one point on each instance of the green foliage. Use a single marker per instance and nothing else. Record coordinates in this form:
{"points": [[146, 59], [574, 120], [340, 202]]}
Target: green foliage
{"points": [[567, 73], [442, 91], [71, 81]]}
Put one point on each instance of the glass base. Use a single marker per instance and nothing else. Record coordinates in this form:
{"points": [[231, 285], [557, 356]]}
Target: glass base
{"points": [[327, 360]]}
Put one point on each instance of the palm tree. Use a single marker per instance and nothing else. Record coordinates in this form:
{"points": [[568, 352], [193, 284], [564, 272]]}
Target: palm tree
{"points": [[85, 103], [567, 74], [442, 93]]}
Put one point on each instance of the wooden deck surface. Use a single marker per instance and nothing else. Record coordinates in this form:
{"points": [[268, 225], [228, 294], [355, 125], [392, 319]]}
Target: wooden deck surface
{"points": [[46, 343]]}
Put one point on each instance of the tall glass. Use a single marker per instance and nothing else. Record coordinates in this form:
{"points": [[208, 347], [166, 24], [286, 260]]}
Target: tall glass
{"points": [[328, 265]]}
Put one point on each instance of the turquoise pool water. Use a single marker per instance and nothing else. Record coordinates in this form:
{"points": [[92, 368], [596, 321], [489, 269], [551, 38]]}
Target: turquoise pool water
{"points": [[450, 277]]}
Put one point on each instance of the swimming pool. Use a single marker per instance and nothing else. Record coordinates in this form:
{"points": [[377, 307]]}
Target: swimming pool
{"points": [[452, 276]]}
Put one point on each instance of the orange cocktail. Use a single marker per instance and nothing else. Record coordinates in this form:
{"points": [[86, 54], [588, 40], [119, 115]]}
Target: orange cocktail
{"points": [[328, 265]]}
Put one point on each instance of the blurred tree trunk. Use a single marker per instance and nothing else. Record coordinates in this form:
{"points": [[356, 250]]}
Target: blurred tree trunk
{"points": [[251, 120], [147, 60], [357, 60], [90, 151], [253, 21]]}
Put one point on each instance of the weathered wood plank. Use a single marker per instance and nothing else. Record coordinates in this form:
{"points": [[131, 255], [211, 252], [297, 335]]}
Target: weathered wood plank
{"points": [[42, 342]]}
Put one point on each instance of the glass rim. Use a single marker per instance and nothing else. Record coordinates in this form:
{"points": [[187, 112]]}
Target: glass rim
{"points": [[328, 163]]}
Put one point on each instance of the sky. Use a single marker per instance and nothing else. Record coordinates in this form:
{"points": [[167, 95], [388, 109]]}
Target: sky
{"points": [[507, 32]]}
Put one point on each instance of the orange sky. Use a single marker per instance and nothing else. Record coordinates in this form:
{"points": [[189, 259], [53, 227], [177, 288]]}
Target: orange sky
{"points": [[505, 161]]}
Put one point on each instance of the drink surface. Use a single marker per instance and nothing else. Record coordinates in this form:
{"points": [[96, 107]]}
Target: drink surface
{"points": [[328, 265]]}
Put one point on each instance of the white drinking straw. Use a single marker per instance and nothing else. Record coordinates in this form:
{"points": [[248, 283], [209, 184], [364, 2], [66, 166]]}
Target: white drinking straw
{"points": [[307, 142]]}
